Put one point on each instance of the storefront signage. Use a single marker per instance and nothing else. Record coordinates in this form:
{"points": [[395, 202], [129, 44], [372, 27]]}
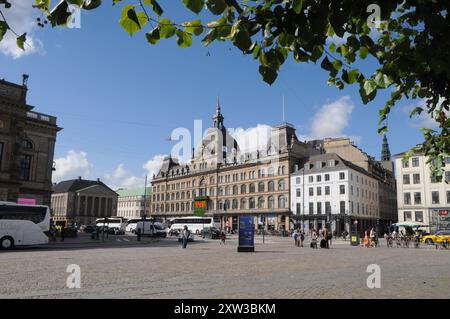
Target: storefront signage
{"points": [[200, 205]]}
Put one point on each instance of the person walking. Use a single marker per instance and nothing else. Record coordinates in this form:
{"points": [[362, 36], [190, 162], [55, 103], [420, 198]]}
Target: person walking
{"points": [[62, 233], [184, 236], [302, 238], [372, 237], [295, 236], [222, 238]]}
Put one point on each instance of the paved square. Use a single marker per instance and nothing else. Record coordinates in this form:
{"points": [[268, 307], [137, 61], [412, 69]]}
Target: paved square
{"points": [[208, 270]]}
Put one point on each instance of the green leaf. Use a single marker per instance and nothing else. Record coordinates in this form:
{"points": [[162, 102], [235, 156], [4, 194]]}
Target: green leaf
{"points": [[78, 3], [194, 5], [155, 7], [353, 76], [194, 27], [297, 5], [216, 6], [369, 87], [166, 28], [59, 14], [326, 64], [131, 21], [153, 36], [417, 110], [21, 40], [363, 52], [332, 47], [268, 73], [92, 5], [382, 80], [242, 39], [184, 39], [43, 5], [3, 28]]}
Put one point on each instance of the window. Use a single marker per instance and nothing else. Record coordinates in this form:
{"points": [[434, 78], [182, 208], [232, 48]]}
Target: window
{"points": [[298, 209], [311, 208], [419, 216], [261, 202], [327, 208], [26, 144], [251, 203], [243, 189], [298, 192], [271, 202], [297, 180], [331, 163], [405, 164], [251, 188], [327, 177], [447, 160], [271, 186], [281, 202], [319, 178], [415, 162], [311, 179], [319, 208], [417, 198], [1, 154], [407, 198], [447, 174], [342, 189], [342, 175], [243, 203], [406, 179], [416, 178], [407, 216], [433, 179], [435, 197], [342, 207], [311, 191], [281, 185], [24, 167], [327, 190]]}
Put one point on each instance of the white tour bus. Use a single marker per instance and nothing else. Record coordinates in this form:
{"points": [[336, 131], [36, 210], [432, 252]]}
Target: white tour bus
{"points": [[111, 222], [23, 224], [195, 224]]}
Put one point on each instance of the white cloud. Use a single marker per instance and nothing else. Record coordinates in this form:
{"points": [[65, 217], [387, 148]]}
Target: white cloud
{"points": [[332, 118], [121, 178], [21, 17], [425, 119], [152, 166], [71, 166], [252, 139]]}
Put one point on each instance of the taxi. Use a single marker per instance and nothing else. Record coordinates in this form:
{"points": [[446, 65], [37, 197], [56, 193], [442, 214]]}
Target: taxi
{"points": [[440, 236]]}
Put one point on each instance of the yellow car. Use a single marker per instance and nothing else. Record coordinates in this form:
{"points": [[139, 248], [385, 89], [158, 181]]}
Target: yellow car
{"points": [[440, 236]]}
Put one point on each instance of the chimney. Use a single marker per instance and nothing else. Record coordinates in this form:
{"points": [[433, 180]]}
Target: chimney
{"points": [[79, 178], [98, 180]]}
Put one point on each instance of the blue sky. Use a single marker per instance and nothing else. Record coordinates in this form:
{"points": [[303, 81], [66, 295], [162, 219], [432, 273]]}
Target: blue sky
{"points": [[119, 98]]}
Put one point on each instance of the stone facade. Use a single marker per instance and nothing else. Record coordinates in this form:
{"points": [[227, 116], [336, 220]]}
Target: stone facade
{"points": [[234, 182], [27, 143], [82, 201]]}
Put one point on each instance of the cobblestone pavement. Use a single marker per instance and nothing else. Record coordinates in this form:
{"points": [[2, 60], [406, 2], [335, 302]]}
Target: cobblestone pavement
{"points": [[206, 269]]}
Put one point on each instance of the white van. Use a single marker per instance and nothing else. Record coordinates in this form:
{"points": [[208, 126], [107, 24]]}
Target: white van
{"points": [[151, 229]]}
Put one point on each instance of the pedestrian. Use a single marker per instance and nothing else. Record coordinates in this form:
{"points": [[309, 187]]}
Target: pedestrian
{"points": [[295, 236], [372, 237], [326, 236], [366, 239], [314, 237], [62, 233], [184, 236], [302, 238], [222, 238]]}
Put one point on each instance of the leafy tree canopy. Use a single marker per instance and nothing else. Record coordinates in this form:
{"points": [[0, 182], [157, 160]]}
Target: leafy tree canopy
{"points": [[410, 40]]}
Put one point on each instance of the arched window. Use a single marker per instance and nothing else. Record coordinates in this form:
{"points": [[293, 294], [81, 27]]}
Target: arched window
{"points": [[188, 195], [243, 189], [220, 205], [211, 191], [283, 170], [261, 202], [227, 204], [26, 144], [243, 203], [172, 207], [211, 180], [235, 203], [182, 207], [182, 195], [178, 196], [251, 203], [279, 170], [172, 196], [177, 207], [281, 185], [227, 190], [251, 188], [261, 187], [281, 202], [193, 183], [271, 202], [220, 191], [235, 190], [270, 172], [271, 186]]}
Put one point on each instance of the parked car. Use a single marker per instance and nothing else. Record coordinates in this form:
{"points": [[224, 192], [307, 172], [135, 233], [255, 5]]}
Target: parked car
{"points": [[89, 229], [211, 232], [440, 236]]}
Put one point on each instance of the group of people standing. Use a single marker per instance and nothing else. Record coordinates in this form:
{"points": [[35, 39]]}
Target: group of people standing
{"points": [[324, 235]]}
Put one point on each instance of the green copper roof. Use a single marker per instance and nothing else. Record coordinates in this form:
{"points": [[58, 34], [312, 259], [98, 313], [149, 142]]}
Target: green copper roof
{"points": [[133, 192]]}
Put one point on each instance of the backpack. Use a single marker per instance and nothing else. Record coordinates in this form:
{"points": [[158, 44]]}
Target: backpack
{"points": [[295, 236]]}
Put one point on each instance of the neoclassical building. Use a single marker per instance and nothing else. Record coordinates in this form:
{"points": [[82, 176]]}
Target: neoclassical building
{"points": [[233, 182], [82, 201]]}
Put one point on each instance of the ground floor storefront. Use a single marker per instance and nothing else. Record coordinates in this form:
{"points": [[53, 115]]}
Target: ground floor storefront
{"points": [[270, 222]]}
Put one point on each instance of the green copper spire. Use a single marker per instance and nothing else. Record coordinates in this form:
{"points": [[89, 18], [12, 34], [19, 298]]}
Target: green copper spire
{"points": [[385, 152]]}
